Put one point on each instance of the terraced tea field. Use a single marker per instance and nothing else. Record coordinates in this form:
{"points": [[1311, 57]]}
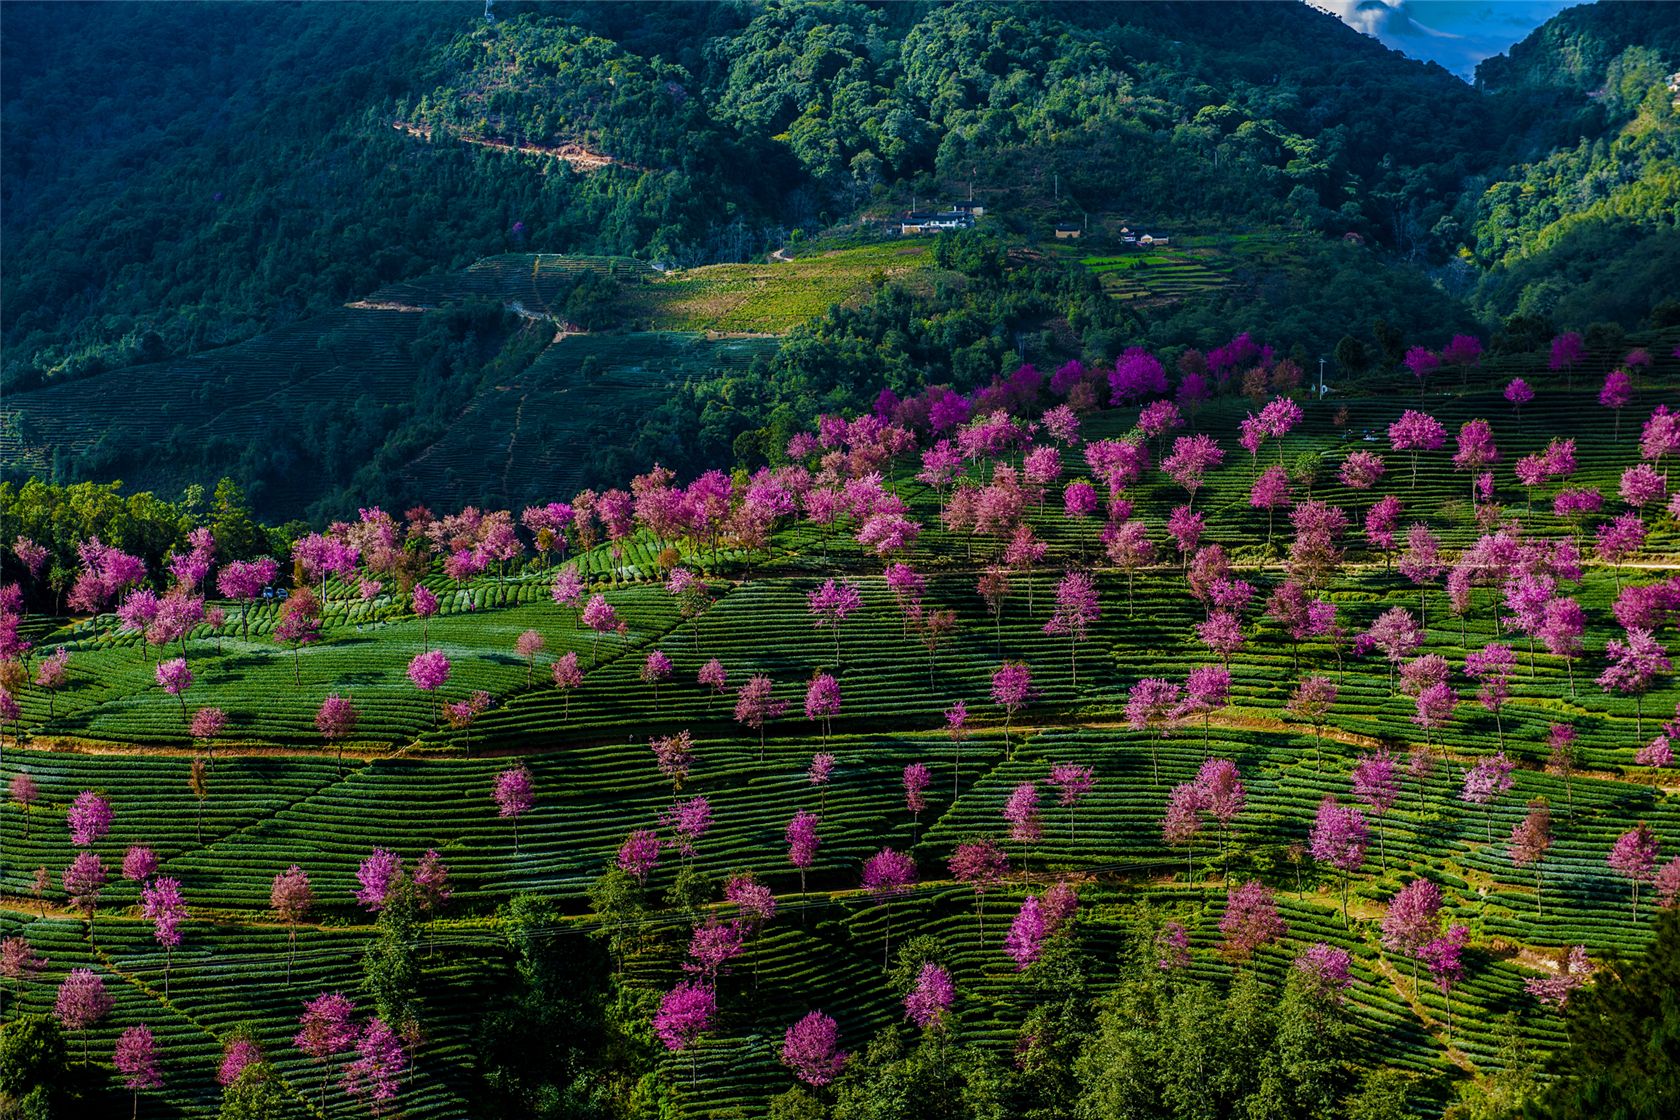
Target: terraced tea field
{"points": [[1160, 274], [409, 782]]}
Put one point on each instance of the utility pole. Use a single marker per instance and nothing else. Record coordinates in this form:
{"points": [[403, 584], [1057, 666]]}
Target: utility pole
{"points": [[1321, 379]]}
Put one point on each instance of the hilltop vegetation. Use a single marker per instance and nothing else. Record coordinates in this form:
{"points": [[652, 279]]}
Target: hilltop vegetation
{"points": [[732, 125]]}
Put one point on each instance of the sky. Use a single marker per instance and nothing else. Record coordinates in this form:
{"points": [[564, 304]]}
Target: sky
{"points": [[1455, 33]]}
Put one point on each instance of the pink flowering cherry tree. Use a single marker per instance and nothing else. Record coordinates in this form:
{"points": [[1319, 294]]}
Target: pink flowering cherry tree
{"points": [[982, 865], [136, 1058], [655, 668], [1072, 782], [162, 905], [917, 778], [291, 898], [528, 645], [1250, 921], [1012, 689], [1339, 838], [514, 796], [376, 1072], [1414, 432], [89, 819], [82, 1002], [756, 706], [887, 874], [336, 720], [174, 677], [830, 605], [1152, 705], [326, 1031], [1412, 920], [568, 676], [1531, 838], [1485, 782], [1634, 856], [822, 702], [930, 998], [428, 671], [1076, 609], [1444, 957], [810, 1048], [1376, 783], [803, 840]]}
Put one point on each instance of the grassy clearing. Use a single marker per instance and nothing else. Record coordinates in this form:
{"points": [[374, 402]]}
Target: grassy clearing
{"points": [[774, 297]]}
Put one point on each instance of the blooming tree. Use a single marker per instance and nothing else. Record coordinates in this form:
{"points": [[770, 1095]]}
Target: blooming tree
{"points": [[1222, 798], [822, 702], [26, 793], [916, 781], [887, 874], [655, 668], [326, 1031], [755, 706], [1022, 814], [930, 997], [514, 797], [803, 840], [981, 864], [428, 671], [830, 605], [1072, 783], [528, 645], [1250, 921], [1634, 855], [1634, 668], [600, 617], [1153, 703], [1206, 690], [1531, 837], [1339, 838], [811, 1050], [639, 854], [1311, 703], [81, 1002], [1012, 688], [1485, 782], [377, 875], [567, 677], [136, 1058], [89, 819], [1412, 920], [1414, 432], [1076, 609], [291, 899], [376, 1072], [1444, 956], [336, 720], [19, 962], [1328, 969]]}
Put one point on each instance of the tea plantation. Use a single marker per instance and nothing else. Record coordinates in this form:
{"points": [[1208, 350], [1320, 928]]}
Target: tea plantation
{"points": [[411, 780]]}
